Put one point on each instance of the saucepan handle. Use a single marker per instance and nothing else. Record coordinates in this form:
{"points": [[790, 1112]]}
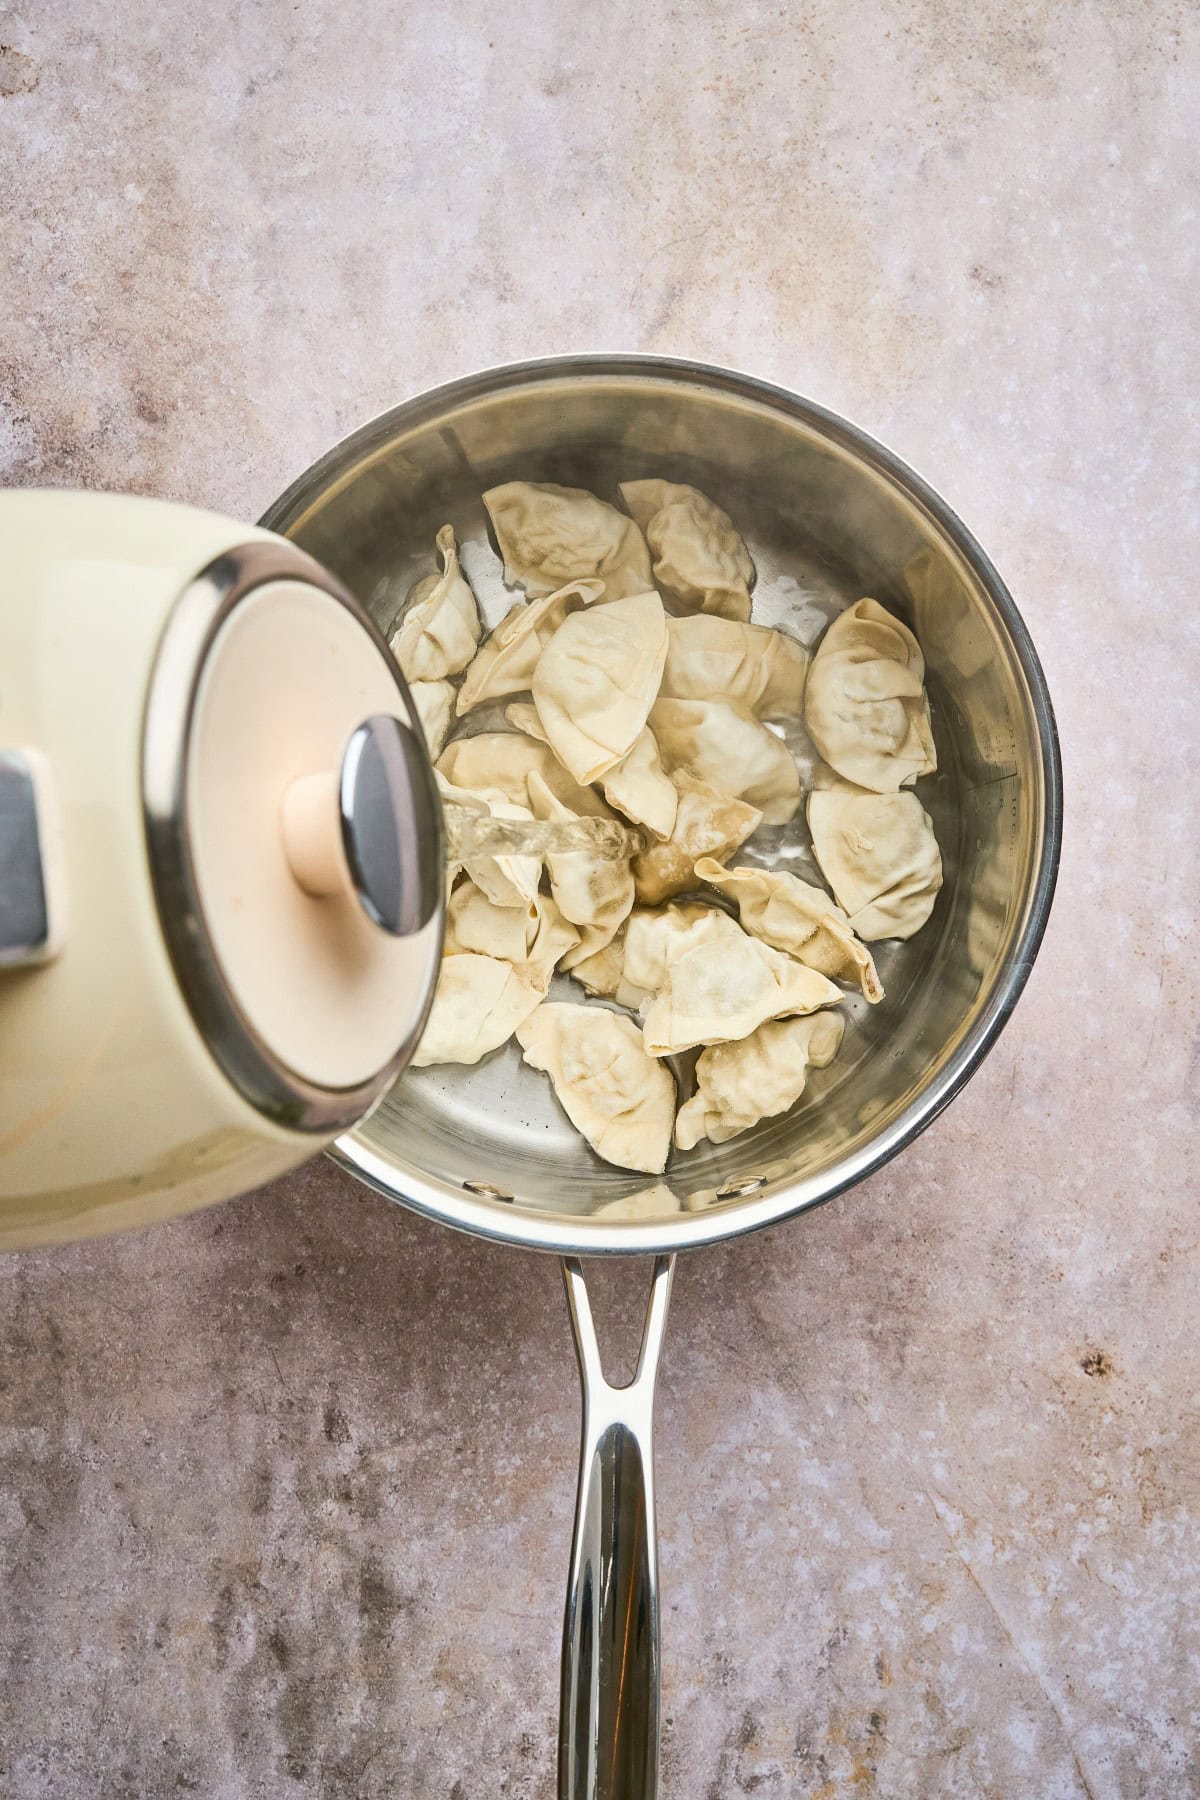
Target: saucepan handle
{"points": [[609, 1725]]}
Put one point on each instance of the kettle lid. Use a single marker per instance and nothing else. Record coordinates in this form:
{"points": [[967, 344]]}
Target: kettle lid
{"points": [[293, 834]]}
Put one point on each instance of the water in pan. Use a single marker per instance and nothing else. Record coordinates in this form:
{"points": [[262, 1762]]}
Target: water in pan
{"points": [[799, 589]]}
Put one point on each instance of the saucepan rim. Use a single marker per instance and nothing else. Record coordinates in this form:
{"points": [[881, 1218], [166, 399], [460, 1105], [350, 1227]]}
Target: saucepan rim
{"points": [[484, 1217]]}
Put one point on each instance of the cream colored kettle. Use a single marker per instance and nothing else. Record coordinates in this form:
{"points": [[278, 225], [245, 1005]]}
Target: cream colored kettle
{"points": [[220, 862]]}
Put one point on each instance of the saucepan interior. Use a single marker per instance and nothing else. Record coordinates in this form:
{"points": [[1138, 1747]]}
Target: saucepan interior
{"points": [[828, 516]]}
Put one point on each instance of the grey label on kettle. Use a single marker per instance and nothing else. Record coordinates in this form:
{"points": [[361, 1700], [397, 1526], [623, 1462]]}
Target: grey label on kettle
{"points": [[24, 906]]}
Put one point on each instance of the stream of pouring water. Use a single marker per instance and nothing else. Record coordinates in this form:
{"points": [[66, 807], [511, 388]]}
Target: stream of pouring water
{"points": [[471, 834]]}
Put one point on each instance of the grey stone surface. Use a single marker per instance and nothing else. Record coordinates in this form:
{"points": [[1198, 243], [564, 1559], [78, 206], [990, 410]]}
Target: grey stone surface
{"points": [[286, 1489]]}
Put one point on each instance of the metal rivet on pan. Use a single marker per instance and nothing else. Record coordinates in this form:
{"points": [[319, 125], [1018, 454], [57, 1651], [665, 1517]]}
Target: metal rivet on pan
{"points": [[486, 1191], [736, 1189]]}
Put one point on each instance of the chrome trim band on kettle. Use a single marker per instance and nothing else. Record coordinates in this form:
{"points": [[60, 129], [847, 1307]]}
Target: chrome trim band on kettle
{"points": [[263, 1079]]}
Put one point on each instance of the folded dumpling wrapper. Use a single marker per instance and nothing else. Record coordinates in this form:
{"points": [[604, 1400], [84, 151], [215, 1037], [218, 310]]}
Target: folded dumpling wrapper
{"points": [[507, 880], [549, 535], [656, 937], [711, 658], [439, 628], [716, 992], [637, 786], [480, 1002], [631, 969], [707, 823], [865, 707], [597, 680], [594, 892], [506, 760], [657, 1202], [802, 920], [879, 854], [700, 561], [727, 747], [622, 1100], [600, 971], [507, 660], [434, 701], [522, 715], [535, 932], [739, 1084]]}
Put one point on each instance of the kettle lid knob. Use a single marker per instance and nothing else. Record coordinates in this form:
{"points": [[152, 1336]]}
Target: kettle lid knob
{"points": [[370, 829]]}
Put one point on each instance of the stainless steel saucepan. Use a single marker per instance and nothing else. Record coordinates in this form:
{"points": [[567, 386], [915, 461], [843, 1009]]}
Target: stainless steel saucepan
{"points": [[829, 515]]}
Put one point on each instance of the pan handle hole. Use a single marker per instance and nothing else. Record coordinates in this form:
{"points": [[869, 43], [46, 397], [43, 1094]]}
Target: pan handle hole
{"points": [[486, 1190], [737, 1190]]}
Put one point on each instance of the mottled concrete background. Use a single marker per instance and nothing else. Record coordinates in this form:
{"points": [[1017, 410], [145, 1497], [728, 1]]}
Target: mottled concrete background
{"points": [[287, 1488]]}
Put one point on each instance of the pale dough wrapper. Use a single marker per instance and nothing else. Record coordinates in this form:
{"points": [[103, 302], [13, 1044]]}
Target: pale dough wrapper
{"points": [[636, 786], [506, 760], [707, 823], [657, 1202], [710, 658], [727, 747], [622, 1100], [600, 971], [788, 914], [479, 1003], [434, 701], [549, 535], [656, 937], [506, 662], [716, 992], [535, 932], [639, 787], [632, 968], [439, 629], [700, 561], [506, 880], [593, 892], [865, 707], [596, 681], [879, 855], [764, 1074]]}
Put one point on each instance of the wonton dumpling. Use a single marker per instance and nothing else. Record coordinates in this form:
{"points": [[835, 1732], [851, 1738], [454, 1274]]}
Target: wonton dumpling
{"points": [[788, 914], [479, 1003], [865, 707], [633, 966], [764, 1074], [507, 880], [593, 892], [600, 972], [639, 787], [715, 992], [656, 937], [879, 855], [618, 1097], [710, 658], [533, 933], [699, 557], [597, 680], [657, 1202], [434, 701], [522, 715], [731, 750], [635, 786], [506, 760], [439, 629], [548, 535], [506, 662], [707, 823]]}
